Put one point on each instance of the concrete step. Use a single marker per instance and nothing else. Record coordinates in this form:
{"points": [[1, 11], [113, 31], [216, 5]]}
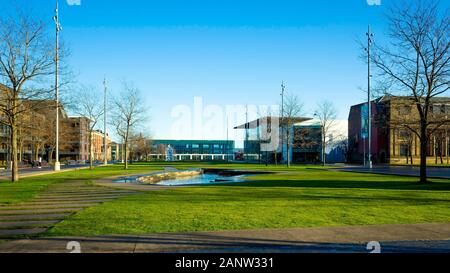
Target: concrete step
{"points": [[27, 217], [9, 233], [99, 194], [67, 202], [78, 198], [81, 192], [27, 224], [72, 200], [37, 211], [49, 206]]}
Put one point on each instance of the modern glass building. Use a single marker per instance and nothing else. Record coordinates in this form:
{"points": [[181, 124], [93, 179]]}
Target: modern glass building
{"points": [[305, 138], [193, 149]]}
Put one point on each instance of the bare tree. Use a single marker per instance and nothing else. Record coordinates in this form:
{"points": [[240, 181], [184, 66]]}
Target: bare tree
{"points": [[304, 138], [416, 63], [128, 114], [326, 113], [90, 106], [26, 57], [292, 109], [408, 140], [343, 144], [139, 147]]}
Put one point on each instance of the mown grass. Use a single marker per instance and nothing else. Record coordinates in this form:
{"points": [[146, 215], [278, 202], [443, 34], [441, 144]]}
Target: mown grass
{"points": [[301, 197], [27, 188]]}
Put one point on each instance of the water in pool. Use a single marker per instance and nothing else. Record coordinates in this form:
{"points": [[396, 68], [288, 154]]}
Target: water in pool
{"points": [[202, 180]]}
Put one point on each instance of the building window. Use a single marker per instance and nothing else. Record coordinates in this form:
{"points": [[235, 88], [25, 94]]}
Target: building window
{"points": [[405, 134], [404, 150], [404, 110], [439, 109]]}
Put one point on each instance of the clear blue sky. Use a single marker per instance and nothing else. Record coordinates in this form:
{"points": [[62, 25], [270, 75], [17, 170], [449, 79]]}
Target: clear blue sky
{"points": [[226, 51]]}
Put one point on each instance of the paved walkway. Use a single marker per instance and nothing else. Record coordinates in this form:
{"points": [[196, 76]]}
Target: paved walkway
{"points": [[29, 172], [419, 238], [53, 205], [399, 170]]}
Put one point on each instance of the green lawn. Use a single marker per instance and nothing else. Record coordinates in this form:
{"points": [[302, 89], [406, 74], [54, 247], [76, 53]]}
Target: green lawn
{"points": [[302, 197], [27, 188]]}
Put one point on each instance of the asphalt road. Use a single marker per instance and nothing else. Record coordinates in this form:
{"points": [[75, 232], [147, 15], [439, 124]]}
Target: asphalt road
{"points": [[31, 171]]}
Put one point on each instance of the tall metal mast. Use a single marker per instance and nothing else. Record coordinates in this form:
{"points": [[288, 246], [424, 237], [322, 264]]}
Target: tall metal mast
{"points": [[283, 87], [369, 97], [105, 146], [58, 29], [247, 135], [228, 139]]}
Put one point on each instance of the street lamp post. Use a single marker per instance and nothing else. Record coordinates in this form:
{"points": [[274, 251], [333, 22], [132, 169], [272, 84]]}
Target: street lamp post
{"points": [[58, 29], [283, 88], [105, 145], [369, 104]]}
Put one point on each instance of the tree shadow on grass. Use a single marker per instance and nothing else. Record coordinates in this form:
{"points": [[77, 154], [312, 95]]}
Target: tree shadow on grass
{"points": [[344, 184]]}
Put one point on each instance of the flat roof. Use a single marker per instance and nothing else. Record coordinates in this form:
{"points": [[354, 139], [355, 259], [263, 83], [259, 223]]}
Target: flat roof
{"points": [[256, 123], [189, 140]]}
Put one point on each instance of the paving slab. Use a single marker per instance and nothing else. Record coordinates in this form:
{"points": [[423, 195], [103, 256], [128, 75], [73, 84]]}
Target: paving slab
{"points": [[72, 196], [408, 238], [78, 195], [37, 211], [59, 245], [18, 232], [65, 202], [21, 224], [49, 206], [84, 192], [75, 199], [34, 217], [53, 205]]}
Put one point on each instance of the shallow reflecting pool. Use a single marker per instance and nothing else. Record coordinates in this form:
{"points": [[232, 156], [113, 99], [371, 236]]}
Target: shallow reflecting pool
{"points": [[204, 179]]}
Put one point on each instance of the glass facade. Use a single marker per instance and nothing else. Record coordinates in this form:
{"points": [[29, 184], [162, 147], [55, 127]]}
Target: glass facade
{"points": [[198, 147]]}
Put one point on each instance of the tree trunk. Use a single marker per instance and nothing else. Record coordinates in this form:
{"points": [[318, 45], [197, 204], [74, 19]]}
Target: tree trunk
{"points": [[126, 153], [411, 155], [50, 155], [323, 151], [407, 157], [14, 152], [423, 154], [288, 146], [91, 154], [126, 147], [20, 152]]}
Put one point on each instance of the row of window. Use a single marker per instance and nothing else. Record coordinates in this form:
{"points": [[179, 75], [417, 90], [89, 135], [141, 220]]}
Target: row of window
{"points": [[437, 109]]}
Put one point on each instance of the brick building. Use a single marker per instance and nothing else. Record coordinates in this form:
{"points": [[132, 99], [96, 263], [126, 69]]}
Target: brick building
{"points": [[392, 141], [37, 135]]}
